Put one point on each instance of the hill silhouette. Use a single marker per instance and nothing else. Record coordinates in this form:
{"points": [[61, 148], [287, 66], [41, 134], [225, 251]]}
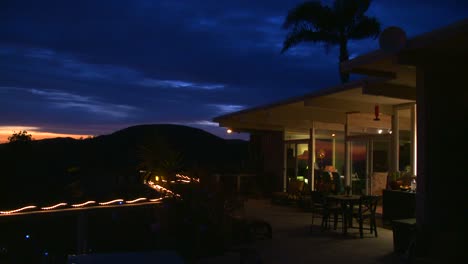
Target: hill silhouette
{"points": [[49, 170]]}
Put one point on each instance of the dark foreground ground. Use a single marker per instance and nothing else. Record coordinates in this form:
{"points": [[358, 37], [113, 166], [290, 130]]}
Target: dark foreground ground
{"points": [[293, 241]]}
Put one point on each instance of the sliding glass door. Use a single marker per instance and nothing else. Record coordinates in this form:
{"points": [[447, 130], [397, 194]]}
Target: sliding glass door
{"points": [[369, 161], [297, 161]]}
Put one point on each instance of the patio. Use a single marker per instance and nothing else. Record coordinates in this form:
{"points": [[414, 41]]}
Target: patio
{"points": [[294, 241]]}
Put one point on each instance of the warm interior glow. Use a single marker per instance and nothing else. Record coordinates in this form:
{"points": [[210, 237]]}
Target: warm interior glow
{"points": [[229, 131], [7, 131]]}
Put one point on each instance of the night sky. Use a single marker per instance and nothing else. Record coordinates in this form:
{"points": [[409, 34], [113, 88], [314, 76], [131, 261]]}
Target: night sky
{"points": [[92, 67]]}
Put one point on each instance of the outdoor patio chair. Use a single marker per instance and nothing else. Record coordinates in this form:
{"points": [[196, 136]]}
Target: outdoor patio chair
{"points": [[366, 211], [326, 208], [317, 204], [332, 211], [293, 193]]}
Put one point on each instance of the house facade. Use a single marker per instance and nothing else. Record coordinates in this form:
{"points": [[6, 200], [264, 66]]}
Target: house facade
{"points": [[408, 113]]}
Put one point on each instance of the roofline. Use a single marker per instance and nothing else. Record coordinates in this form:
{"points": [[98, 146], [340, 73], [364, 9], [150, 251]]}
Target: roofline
{"points": [[416, 42], [317, 93]]}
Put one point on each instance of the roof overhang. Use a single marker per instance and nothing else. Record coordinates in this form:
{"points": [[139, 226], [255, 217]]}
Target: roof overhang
{"points": [[326, 109], [436, 47]]}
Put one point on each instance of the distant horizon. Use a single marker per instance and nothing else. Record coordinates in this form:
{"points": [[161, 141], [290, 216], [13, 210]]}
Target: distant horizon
{"points": [[38, 134]]}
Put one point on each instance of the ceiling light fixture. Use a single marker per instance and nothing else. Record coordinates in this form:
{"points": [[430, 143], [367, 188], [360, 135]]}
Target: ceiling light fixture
{"points": [[376, 113]]}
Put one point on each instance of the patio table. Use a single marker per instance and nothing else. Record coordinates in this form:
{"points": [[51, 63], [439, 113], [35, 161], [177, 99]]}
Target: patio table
{"points": [[347, 202]]}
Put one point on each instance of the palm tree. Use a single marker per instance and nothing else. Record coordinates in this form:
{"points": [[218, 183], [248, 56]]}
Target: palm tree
{"points": [[331, 25], [158, 157]]}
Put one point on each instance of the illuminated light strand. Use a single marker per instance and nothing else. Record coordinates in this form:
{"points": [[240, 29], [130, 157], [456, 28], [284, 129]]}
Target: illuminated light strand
{"points": [[136, 200], [53, 206], [184, 181], [18, 210], [111, 202], [83, 204], [187, 178], [159, 188], [156, 200]]}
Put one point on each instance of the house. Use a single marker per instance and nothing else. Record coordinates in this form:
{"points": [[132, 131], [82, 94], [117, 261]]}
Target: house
{"points": [[409, 111]]}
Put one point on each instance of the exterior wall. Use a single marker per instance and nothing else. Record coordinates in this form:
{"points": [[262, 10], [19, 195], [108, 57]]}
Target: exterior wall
{"points": [[267, 148]]}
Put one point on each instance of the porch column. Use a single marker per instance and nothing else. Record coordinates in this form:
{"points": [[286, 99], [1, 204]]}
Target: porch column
{"points": [[334, 152], [347, 151], [285, 150], [414, 141], [395, 161], [312, 155], [441, 173]]}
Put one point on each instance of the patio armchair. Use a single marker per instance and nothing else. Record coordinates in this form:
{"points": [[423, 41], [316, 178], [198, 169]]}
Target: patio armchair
{"points": [[317, 204], [327, 208], [293, 194], [332, 211], [366, 212]]}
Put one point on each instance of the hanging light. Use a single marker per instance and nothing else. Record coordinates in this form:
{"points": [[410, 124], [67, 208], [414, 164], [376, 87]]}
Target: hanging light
{"points": [[376, 113]]}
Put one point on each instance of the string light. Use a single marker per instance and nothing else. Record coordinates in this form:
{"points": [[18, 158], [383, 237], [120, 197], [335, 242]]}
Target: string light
{"points": [[187, 178], [136, 200], [111, 202], [18, 210], [83, 204], [53, 206], [159, 188]]}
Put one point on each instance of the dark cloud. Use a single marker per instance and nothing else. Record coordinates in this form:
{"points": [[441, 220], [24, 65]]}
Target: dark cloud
{"points": [[109, 64]]}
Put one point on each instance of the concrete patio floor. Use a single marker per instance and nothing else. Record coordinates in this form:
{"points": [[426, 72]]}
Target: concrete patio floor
{"points": [[294, 241]]}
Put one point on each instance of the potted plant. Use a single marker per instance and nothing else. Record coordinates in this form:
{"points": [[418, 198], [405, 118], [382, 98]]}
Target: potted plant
{"points": [[394, 180]]}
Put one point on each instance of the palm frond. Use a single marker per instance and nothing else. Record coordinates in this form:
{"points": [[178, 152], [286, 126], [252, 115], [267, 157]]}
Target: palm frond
{"points": [[302, 34], [351, 8], [348, 12], [313, 13], [364, 28]]}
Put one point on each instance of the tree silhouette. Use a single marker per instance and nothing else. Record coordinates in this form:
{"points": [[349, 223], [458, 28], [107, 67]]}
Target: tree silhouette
{"points": [[21, 136], [331, 25], [158, 157]]}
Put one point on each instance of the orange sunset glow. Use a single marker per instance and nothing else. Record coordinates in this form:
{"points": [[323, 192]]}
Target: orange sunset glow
{"points": [[36, 132]]}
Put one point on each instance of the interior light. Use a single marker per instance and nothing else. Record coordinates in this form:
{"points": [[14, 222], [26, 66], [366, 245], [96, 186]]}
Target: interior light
{"points": [[389, 131], [229, 131], [333, 135], [156, 178], [380, 131]]}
